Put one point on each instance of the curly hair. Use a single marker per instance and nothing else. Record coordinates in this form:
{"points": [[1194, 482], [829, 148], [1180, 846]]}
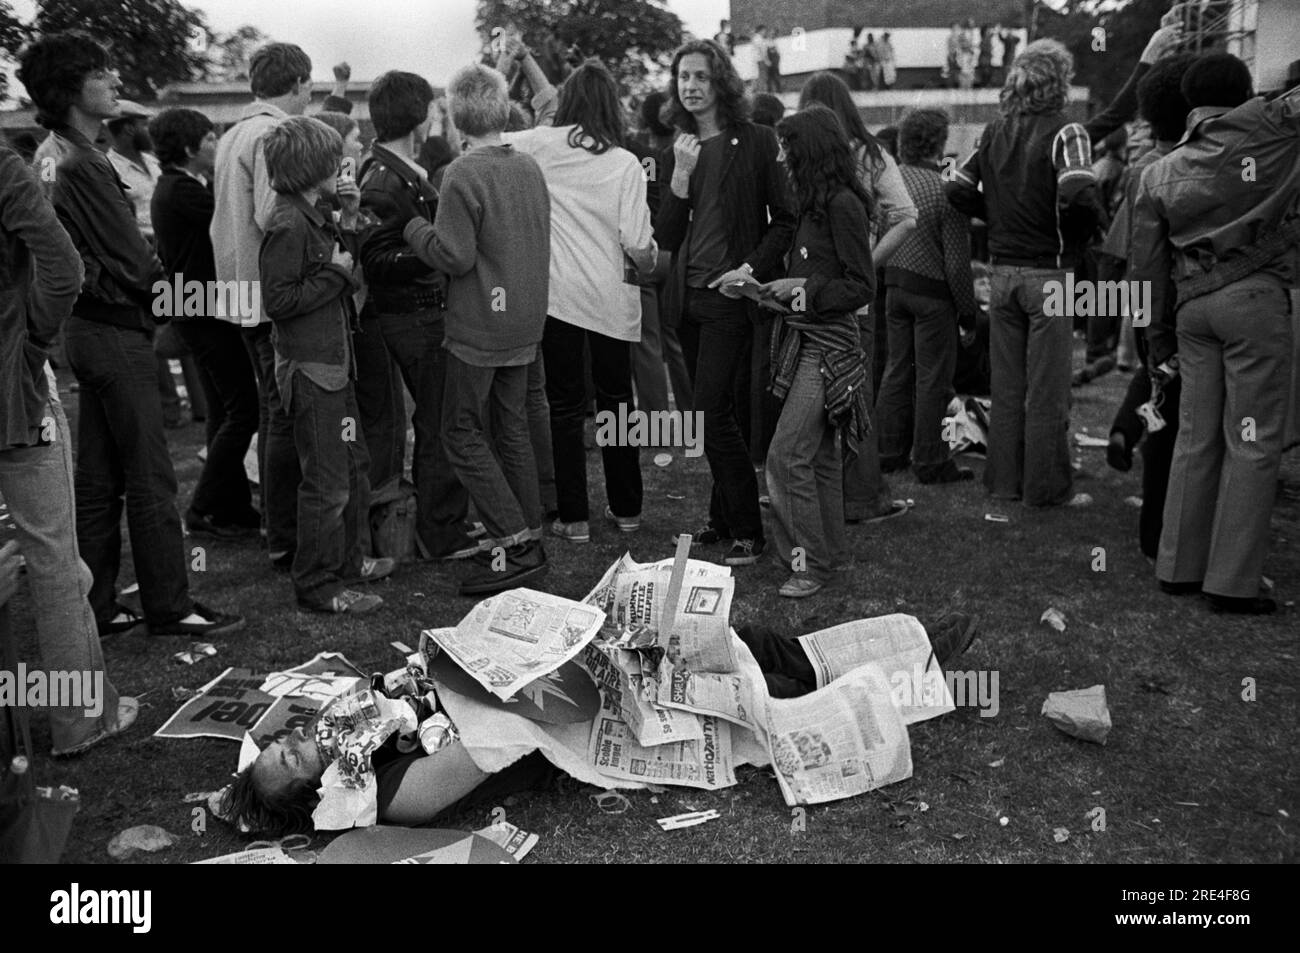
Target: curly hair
{"points": [[175, 132], [1160, 96], [1217, 79], [922, 135], [286, 812], [54, 69], [733, 107], [1039, 80], [820, 159]]}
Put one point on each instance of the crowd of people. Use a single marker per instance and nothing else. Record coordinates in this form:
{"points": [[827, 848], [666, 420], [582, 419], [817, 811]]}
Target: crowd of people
{"points": [[805, 288]]}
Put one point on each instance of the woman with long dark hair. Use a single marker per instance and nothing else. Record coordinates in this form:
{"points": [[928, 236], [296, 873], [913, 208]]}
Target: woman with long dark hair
{"points": [[894, 216], [818, 366], [601, 239]]}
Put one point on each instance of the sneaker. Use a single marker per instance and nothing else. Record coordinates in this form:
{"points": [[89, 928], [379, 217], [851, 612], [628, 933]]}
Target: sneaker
{"points": [[744, 552], [799, 586], [372, 570], [351, 602], [128, 709], [707, 536], [524, 563], [576, 532], [951, 636], [895, 508], [196, 524], [626, 524], [213, 624]]}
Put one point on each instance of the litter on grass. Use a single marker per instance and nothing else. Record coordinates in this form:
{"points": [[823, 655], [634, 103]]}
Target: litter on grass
{"points": [[691, 819], [149, 838], [1081, 714], [1054, 618]]}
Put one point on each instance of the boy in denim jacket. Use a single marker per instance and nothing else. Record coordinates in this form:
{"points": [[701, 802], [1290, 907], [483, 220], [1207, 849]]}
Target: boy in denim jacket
{"points": [[308, 278]]}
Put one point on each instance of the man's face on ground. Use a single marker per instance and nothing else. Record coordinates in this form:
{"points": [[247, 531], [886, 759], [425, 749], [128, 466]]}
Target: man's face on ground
{"points": [[98, 97], [294, 758], [695, 84]]}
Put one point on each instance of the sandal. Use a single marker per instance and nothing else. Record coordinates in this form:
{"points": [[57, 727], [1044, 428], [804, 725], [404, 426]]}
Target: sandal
{"points": [[127, 710], [123, 621]]}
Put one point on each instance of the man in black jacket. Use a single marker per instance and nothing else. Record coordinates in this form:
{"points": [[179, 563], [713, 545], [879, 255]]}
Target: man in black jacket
{"points": [[727, 215], [405, 301], [122, 450], [182, 205]]}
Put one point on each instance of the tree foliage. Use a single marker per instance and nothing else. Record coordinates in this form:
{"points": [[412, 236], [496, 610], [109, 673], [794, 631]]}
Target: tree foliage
{"points": [[1103, 60], [13, 32], [154, 42], [229, 53], [630, 36]]}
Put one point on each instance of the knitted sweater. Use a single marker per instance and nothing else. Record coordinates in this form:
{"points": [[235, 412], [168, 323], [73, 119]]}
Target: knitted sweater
{"points": [[492, 236]]}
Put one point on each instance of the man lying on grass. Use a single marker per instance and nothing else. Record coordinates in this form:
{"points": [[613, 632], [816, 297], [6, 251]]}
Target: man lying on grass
{"points": [[277, 794]]}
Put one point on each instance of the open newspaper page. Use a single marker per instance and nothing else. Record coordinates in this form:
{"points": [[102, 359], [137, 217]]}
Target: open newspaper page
{"points": [[518, 636], [899, 646], [739, 696], [839, 741], [618, 674], [706, 763]]}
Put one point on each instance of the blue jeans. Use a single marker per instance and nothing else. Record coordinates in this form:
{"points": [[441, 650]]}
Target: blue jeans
{"points": [[334, 495], [380, 400], [804, 475], [36, 483], [414, 342], [1029, 355], [122, 457], [866, 491], [716, 335], [276, 457], [501, 477]]}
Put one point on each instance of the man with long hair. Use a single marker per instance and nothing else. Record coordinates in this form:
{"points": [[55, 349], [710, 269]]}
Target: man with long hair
{"points": [[727, 216], [1039, 199]]}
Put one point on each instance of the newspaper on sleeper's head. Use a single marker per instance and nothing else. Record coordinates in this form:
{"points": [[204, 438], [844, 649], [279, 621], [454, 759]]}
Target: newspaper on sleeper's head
{"points": [[898, 644], [517, 637], [618, 674], [839, 741]]}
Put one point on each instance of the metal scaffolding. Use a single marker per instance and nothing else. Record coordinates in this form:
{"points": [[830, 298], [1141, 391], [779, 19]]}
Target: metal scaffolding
{"points": [[1227, 25]]}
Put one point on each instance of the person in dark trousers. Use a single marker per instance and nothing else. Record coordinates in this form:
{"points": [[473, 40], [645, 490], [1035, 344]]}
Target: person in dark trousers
{"points": [[727, 214], [308, 277], [1162, 104], [492, 236], [122, 457], [1228, 247], [186, 142], [931, 292], [406, 301]]}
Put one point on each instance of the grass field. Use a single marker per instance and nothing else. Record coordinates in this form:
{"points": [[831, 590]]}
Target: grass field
{"points": [[1191, 772]]}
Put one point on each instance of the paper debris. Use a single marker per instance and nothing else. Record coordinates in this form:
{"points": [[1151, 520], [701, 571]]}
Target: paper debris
{"points": [[1053, 618], [663, 459], [997, 518], [611, 802], [147, 837], [196, 652], [998, 763], [1134, 501], [1086, 440], [1060, 835], [1082, 713], [690, 819], [1004, 821], [402, 648]]}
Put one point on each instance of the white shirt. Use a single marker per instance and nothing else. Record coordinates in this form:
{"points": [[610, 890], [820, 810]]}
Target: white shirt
{"points": [[598, 215], [140, 184]]}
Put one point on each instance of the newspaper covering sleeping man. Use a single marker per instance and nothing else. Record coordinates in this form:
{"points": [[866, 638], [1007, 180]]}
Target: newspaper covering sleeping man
{"points": [[497, 703]]}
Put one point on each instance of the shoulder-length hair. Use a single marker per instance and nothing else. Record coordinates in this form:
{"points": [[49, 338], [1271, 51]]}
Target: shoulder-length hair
{"points": [[831, 91], [1039, 80], [820, 159], [733, 107], [589, 103]]}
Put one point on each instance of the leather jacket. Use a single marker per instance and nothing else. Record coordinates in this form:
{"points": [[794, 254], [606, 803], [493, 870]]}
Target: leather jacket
{"points": [[394, 193]]}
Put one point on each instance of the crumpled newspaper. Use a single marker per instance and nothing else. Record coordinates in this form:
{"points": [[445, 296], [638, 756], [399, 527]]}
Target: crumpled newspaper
{"points": [[353, 728], [146, 837], [1081, 713]]}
